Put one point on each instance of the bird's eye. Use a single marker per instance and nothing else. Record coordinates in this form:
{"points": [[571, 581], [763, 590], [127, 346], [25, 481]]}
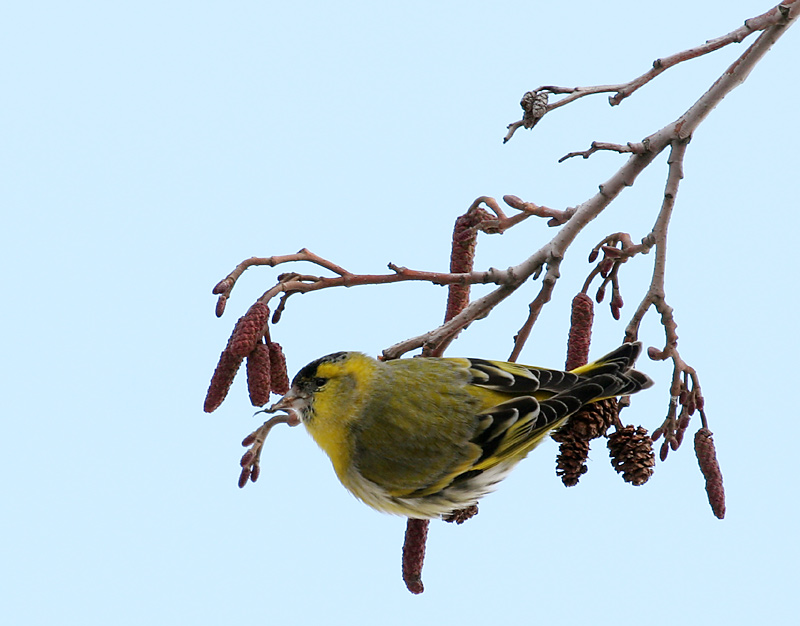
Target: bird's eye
{"points": [[319, 382]]}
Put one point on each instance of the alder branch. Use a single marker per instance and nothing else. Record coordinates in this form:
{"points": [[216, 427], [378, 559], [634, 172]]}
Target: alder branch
{"points": [[572, 221], [299, 283], [681, 130], [778, 17], [225, 286], [685, 386], [634, 148], [292, 282]]}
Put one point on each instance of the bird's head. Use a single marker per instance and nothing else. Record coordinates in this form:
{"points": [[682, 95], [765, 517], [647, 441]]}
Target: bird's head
{"points": [[328, 386]]}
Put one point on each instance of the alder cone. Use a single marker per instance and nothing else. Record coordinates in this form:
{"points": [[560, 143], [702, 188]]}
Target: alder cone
{"points": [[414, 554], [221, 380], [591, 422], [707, 458], [580, 331], [631, 451], [277, 361], [249, 330], [571, 461], [259, 375]]}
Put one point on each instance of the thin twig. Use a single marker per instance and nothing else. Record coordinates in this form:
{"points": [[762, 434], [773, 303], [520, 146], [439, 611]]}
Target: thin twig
{"points": [[655, 295], [535, 307], [557, 216], [633, 148]]}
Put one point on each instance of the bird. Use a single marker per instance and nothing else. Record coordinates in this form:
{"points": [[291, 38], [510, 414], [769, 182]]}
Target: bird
{"points": [[424, 437]]}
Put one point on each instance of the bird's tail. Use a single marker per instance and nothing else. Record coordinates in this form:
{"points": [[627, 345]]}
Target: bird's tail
{"points": [[608, 377], [619, 364]]}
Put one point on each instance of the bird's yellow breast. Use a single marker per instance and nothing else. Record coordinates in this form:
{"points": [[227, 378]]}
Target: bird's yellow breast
{"points": [[337, 407]]}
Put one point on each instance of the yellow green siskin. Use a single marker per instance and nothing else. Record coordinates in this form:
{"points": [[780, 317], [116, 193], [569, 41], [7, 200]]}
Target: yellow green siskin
{"points": [[424, 437]]}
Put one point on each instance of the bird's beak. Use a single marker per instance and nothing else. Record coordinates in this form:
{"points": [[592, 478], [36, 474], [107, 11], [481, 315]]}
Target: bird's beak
{"points": [[292, 403]]}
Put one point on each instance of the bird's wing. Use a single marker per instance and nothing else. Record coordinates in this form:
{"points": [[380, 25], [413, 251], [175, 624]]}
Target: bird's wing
{"points": [[516, 379], [521, 403]]}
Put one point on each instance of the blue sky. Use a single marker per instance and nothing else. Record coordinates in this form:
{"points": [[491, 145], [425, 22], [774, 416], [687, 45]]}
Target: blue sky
{"points": [[149, 147]]}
